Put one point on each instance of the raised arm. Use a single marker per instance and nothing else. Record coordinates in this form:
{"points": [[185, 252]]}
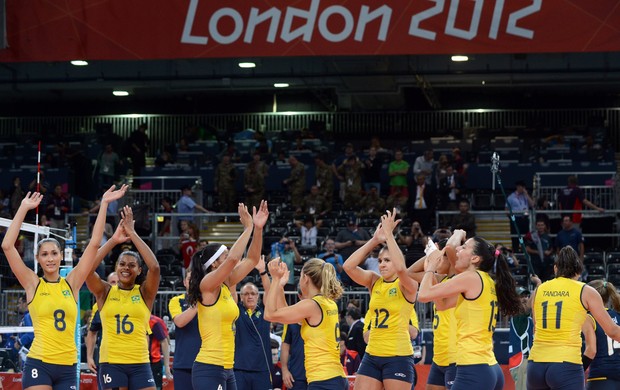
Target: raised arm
{"points": [[26, 277], [261, 267], [275, 312], [213, 280], [151, 284], [259, 219], [408, 285], [352, 264], [431, 290], [89, 259]]}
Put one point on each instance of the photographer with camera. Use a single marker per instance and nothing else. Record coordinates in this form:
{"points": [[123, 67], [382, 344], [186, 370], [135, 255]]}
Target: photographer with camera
{"points": [[415, 241]]}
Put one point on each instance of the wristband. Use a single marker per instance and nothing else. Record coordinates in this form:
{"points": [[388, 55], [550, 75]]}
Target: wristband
{"points": [[263, 273]]}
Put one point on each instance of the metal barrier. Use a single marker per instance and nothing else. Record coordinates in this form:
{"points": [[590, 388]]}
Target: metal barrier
{"points": [[168, 129]]}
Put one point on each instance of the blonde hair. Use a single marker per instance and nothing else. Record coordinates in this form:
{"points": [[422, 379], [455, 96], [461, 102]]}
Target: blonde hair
{"points": [[323, 276], [608, 293]]}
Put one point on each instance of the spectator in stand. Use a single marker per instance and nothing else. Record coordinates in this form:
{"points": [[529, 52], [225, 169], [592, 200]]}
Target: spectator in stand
{"points": [[187, 205], [254, 181], [519, 202], [5, 208], [372, 170], [350, 359], [571, 236], [163, 228], [397, 170], [313, 204], [415, 242], [188, 241], [398, 201], [57, 207], [539, 246], [573, 198], [159, 350], [425, 165], [441, 168], [138, 143], [371, 205], [372, 261], [108, 162], [309, 232], [225, 175], [349, 240], [350, 175], [324, 177], [464, 219], [296, 182], [331, 257], [457, 161], [451, 187], [288, 253], [423, 204]]}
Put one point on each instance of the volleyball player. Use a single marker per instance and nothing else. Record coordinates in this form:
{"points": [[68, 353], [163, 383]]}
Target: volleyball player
{"points": [[388, 361], [318, 314], [187, 337], [214, 270], [481, 297], [443, 367], [560, 307], [51, 299], [604, 374], [125, 310]]}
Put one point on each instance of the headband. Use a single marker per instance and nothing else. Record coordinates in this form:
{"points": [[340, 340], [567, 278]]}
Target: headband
{"points": [[212, 259]]}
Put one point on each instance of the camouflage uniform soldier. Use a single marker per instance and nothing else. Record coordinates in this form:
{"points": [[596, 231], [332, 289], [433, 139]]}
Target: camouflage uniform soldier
{"points": [[324, 180], [296, 182], [350, 172], [314, 203], [372, 204], [225, 175], [254, 183]]}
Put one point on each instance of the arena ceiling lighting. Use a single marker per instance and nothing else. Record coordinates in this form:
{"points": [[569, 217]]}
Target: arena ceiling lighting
{"points": [[281, 85], [247, 65], [79, 63], [459, 58], [118, 92]]}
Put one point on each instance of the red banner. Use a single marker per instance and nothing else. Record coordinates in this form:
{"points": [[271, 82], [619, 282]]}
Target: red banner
{"points": [[45, 30]]}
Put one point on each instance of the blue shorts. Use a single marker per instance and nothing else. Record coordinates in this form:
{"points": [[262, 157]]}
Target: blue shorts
{"points": [[567, 376], [442, 375], [212, 377], [299, 384], [183, 379], [479, 377], [337, 383], [393, 367], [58, 376], [134, 376], [253, 380], [604, 384]]}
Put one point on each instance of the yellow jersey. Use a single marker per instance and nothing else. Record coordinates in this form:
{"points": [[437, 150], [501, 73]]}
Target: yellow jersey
{"points": [[475, 323], [54, 315], [216, 323], [444, 335], [559, 315], [322, 343], [390, 313], [125, 325]]}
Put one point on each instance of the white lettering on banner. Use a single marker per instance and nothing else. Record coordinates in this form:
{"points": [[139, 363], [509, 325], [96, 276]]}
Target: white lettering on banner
{"points": [[306, 30], [256, 19], [236, 17], [451, 28], [352, 23], [515, 16], [472, 32]]}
